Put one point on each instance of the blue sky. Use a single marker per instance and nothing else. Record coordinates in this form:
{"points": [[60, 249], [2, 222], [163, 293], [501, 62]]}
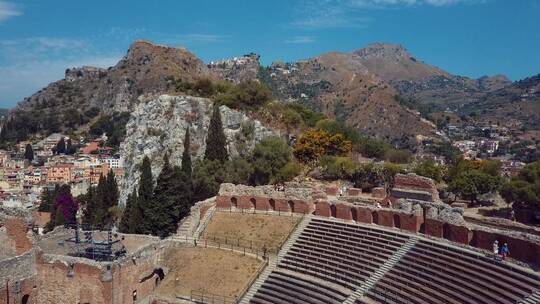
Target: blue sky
{"points": [[39, 39]]}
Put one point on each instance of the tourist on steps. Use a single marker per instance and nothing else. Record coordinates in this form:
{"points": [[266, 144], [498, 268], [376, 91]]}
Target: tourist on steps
{"points": [[505, 251], [495, 249]]}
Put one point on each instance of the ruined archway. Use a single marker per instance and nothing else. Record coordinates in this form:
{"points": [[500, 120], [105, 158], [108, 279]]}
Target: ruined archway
{"points": [[234, 202], [25, 299], [354, 214], [446, 231], [333, 210], [272, 203], [397, 221], [375, 217], [291, 205], [253, 202]]}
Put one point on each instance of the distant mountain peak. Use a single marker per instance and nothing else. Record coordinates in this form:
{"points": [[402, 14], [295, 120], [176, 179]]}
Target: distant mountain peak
{"points": [[386, 51]]}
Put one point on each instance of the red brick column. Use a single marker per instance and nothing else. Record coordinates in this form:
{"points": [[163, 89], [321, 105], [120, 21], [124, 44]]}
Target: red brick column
{"points": [[322, 209], [386, 218], [343, 212], [434, 228], [364, 215], [223, 201]]}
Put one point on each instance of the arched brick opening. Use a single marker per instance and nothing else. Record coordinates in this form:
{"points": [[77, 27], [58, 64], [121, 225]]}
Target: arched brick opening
{"points": [[25, 299], [397, 221], [333, 210], [446, 231], [272, 203], [291, 205], [354, 214], [253, 202], [234, 202], [375, 217], [422, 228]]}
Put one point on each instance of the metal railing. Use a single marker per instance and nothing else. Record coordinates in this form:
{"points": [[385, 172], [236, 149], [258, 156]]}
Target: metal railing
{"points": [[203, 297]]}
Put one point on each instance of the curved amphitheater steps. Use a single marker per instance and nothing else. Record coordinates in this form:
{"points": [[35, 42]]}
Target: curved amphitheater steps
{"points": [[272, 263], [333, 261], [534, 298], [293, 237], [375, 277]]}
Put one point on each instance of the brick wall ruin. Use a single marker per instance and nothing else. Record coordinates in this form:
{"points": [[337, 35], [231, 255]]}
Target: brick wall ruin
{"points": [[427, 217]]}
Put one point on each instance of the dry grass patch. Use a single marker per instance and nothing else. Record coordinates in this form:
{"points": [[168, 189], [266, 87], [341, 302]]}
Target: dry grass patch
{"points": [[245, 229], [211, 270]]}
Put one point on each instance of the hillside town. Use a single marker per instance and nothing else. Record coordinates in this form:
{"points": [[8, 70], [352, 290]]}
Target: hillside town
{"points": [[31, 167]]}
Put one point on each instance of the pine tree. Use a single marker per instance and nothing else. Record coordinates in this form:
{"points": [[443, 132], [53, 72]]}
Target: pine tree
{"points": [[144, 201], [186, 157], [29, 152], [216, 141]]}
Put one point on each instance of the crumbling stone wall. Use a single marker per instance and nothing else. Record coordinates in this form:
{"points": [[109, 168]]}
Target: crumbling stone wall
{"points": [[412, 186], [18, 274]]}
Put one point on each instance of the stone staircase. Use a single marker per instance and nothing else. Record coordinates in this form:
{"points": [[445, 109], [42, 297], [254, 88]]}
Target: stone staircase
{"points": [[184, 229], [273, 260], [533, 298], [377, 275], [293, 237], [272, 264], [204, 222]]}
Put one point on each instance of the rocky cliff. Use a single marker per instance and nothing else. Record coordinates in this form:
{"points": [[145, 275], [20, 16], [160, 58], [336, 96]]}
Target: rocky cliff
{"points": [[157, 126]]}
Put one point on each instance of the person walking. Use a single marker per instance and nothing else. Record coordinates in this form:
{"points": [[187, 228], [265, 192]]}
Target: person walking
{"points": [[505, 251], [495, 249]]}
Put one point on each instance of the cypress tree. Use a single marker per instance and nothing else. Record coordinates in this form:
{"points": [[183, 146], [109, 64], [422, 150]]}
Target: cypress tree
{"points": [[69, 147], [112, 190], [100, 207], [186, 157], [136, 215], [29, 152], [144, 201], [125, 223], [183, 194], [61, 146], [59, 218], [216, 141], [163, 212], [90, 210]]}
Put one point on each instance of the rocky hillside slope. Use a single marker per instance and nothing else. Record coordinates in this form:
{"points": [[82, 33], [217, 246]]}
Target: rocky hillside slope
{"points": [[85, 92], [426, 83], [517, 105], [146, 68], [340, 86], [157, 126]]}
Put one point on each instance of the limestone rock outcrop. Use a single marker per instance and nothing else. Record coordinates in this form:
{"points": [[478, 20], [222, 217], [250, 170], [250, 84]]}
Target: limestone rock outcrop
{"points": [[158, 124]]}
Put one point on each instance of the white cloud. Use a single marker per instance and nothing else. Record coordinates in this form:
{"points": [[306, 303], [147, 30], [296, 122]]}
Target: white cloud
{"points": [[323, 14], [300, 40], [29, 64], [8, 10], [20, 80]]}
